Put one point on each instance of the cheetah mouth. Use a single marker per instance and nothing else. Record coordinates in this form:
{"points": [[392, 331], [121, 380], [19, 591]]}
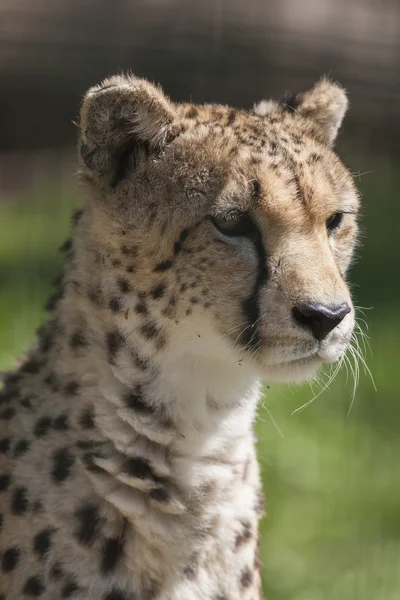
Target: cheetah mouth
{"points": [[294, 370], [327, 351], [303, 361], [301, 364]]}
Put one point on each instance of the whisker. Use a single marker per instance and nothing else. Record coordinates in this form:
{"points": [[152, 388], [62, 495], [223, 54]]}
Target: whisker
{"points": [[326, 386], [359, 175], [366, 369], [355, 372], [275, 424]]}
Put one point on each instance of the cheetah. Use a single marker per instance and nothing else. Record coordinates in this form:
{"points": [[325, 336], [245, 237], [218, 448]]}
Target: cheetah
{"points": [[210, 253]]}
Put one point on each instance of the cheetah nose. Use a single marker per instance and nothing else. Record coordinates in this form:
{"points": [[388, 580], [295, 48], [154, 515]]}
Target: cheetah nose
{"points": [[320, 318]]}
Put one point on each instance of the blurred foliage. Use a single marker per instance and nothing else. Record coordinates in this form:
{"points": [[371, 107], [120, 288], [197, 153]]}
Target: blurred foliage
{"points": [[331, 475]]}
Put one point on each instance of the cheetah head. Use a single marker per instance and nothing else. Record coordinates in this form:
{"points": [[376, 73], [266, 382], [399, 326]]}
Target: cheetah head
{"points": [[235, 228]]}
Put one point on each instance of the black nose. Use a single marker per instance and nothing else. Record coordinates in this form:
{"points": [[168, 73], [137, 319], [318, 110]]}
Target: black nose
{"points": [[320, 318]]}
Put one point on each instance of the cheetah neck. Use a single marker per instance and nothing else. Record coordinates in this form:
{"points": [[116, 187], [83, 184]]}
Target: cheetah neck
{"points": [[173, 428]]}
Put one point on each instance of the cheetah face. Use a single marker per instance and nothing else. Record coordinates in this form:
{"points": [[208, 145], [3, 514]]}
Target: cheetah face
{"points": [[245, 222]]}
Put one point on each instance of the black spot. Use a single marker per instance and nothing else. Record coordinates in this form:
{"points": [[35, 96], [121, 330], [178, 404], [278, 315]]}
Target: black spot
{"points": [[88, 524], [7, 396], [52, 301], [33, 587], [7, 413], [19, 501], [66, 246], [256, 191], [52, 381], [32, 366], [313, 158], [141, 308], [124, 285], [177, 247], [140, 363], [115, 305], [95, 295], [60, 423], [69, 589], [139, 468], [183, 235], [88, 460], [78, 339], [46, 339], [56, 572], [244, 536], [88, 444], [62, 465], [86, 419], [56, 281], [11, 379], [5, 445], [71, 388], [112, 552], [273, 149], [163, 266], [76, 216], [231, 116], [246, 577], [42, 542], [190, 569], [4, 482], [130, 269], [116, 262], [159, 494], [135, 401], [129, 250], [42, 427], [26, 403], [10, 559], [21, 447], [150, 331], [115, 595], [192, 112], [114, 341], [158, 291]]}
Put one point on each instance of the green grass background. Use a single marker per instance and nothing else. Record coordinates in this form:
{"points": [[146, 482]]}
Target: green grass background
{"points": [[331, 479]]}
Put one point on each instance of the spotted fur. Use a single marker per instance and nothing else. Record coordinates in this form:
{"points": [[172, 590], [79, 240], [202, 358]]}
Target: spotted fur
{"points": [[127, 457]]}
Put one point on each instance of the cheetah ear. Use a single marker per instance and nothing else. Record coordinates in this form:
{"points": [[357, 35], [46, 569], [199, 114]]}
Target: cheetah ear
{"points": [[121, 120], [325, 104]]}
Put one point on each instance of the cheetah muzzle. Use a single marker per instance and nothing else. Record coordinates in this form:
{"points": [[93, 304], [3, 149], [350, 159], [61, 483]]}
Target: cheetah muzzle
{"points": [[211, 252]]}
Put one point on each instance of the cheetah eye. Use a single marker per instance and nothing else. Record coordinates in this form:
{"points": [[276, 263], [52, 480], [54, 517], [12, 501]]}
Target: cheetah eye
{"points": [[334, 221], [233, 223]]}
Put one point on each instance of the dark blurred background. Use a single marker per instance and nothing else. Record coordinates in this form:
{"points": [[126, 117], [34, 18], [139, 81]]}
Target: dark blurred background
{"points": [[332, 471]]}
